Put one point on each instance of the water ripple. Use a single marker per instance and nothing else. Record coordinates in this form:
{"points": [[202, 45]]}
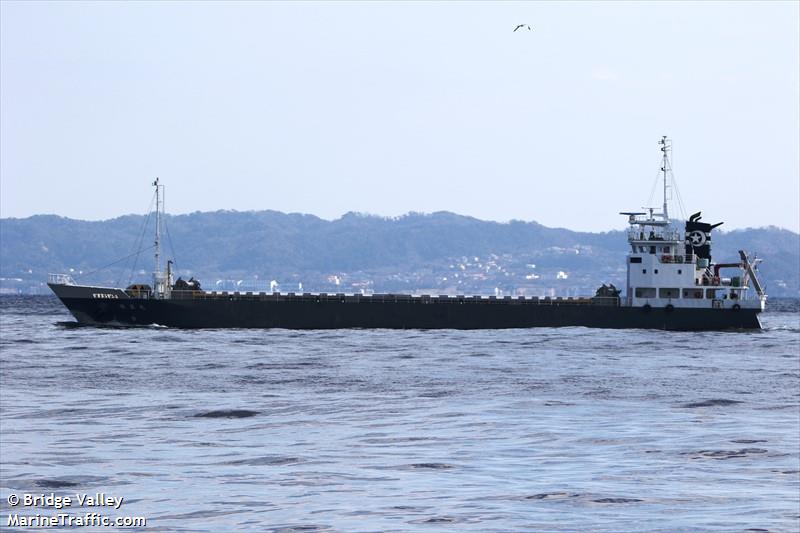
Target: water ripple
{"points": [[518, 430]]}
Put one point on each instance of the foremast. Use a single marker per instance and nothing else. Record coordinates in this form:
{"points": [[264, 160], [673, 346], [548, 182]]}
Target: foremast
{"points": [[161, 282]]}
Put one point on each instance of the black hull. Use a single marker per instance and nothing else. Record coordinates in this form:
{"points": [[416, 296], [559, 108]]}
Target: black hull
{"points": [[402, 312]]}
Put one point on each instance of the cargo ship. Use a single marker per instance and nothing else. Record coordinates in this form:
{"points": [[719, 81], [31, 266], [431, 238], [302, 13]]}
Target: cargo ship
{"points": [[672, 284]]}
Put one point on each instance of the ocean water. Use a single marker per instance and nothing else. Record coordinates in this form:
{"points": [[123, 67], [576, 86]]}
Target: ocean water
{"points": [[570, 429]]}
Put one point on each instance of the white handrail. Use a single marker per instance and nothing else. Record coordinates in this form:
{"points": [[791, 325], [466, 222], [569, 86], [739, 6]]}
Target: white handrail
{"points": [[60, 279]]}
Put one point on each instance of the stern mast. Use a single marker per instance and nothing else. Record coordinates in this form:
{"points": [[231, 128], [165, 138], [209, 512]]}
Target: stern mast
{"points": [[666, 146]]}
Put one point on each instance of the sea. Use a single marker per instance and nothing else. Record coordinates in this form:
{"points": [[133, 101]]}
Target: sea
{"points": [[563, 429]]}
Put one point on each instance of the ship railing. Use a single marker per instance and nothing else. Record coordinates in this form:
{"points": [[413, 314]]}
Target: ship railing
{"points": [[60, 279], [393, 298], [686, 259], [659, 235]]}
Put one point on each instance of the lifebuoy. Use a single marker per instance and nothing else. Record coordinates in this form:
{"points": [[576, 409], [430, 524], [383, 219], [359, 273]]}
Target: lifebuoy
{"points": [[736, 307], [669, 308]]}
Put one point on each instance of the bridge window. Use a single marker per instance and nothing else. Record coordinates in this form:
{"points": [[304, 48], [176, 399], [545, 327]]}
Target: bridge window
{"points": [[692, 293], [644, 271], [636, 259], [711, 294], [655, 271], [680, 271], [652, 249], [669, 293], [645, 292]]}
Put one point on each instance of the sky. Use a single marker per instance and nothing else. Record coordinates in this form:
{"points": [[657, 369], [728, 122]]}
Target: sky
{"points": [[387, 108]]}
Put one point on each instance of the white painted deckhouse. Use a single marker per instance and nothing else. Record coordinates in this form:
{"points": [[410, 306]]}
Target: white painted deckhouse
{"points": [[671, 269]]}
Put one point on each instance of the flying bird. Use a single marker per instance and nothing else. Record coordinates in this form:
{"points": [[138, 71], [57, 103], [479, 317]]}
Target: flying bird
{"points": [[522, 26]]}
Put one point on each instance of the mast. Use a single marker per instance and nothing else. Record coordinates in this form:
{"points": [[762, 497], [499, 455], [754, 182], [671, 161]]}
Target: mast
{"points": [[666, 146], [158, 282]]}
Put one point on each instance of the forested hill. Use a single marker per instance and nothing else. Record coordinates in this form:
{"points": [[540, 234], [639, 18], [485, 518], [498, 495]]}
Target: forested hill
{"points": [[440, 252]]}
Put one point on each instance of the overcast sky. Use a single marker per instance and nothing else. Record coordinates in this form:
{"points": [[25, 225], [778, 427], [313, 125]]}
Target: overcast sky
{"points": [[386, 108]]}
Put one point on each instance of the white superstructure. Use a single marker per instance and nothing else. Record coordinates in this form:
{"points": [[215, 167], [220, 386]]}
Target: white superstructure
{"points": [[671, 268]]}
